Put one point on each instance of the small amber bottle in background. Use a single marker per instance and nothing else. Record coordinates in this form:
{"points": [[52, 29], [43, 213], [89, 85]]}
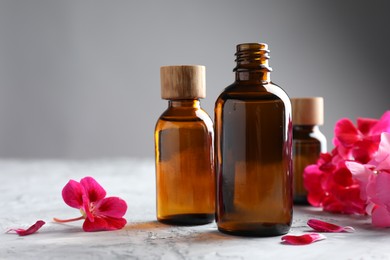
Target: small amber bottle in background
{"points": [[308, 141], [185, 179], [253, 134]]}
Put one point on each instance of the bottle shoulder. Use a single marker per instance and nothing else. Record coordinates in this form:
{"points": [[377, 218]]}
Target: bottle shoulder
{"points": [[308, 134], [247, 91], [184, 118], [191, 114], [253, 94]]}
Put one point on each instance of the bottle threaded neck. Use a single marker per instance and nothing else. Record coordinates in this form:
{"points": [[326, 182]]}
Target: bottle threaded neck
{"points": [[252, 56]]}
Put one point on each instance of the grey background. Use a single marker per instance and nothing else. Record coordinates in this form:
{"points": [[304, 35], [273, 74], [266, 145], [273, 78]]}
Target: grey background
{"points": [[80, 79]]}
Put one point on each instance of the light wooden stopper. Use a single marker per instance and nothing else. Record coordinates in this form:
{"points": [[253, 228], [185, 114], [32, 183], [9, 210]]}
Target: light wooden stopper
{"points": [[183, 82], [308, 111]]}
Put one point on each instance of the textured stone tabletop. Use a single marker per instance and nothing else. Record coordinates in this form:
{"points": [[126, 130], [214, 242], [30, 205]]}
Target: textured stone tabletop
{"points": [[31, 190]]}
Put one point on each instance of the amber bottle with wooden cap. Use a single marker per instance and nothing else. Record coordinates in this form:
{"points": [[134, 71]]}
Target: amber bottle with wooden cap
{"points": [[184, 152], [308, 141], [253, 133]]}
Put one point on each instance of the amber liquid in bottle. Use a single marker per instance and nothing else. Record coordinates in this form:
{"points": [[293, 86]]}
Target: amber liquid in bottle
{"points": [[308, 143], [185, 178], [253, 131]]}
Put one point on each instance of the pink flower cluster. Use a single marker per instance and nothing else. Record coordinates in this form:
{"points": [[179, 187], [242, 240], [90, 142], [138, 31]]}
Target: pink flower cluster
{"points": [[354, 178], [374, 178]]}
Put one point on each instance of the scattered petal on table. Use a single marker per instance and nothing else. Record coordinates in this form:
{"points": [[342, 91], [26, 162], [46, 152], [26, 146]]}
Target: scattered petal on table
{"points": [[302, 239], [322, 226], [31, 230]]}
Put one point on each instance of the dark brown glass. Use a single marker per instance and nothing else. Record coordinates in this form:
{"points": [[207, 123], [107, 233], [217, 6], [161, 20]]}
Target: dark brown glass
{"points": [[253, 132], [308, 143], [185, 176]]}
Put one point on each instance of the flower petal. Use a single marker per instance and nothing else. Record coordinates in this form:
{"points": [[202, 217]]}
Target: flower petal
{"points": [[94, 191], [322, 226], [382, 158], [103, 224], [366, 124], [72, 193], [325, 161], [302, 239], [359, 171], [362, 174], [383, 124], [346, 200], [364, 150], [381, 217], [378, 189], [312, 177], [31, 230], [111, 207], [343, 177], [346, 133]]}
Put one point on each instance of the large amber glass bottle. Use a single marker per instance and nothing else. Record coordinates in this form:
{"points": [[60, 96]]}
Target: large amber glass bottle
{"points": [[308, 141], [253, 131], [184, 150]]}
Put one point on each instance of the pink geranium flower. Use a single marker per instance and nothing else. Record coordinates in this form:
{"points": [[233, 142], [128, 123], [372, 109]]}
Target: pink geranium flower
{"points": [[375, 178], [100, 213], [329, 182], [330, 185], [361, 142]]}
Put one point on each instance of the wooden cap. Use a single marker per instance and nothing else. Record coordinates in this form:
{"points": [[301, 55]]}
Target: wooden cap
{"points": [[183, 82], [308, 111]]}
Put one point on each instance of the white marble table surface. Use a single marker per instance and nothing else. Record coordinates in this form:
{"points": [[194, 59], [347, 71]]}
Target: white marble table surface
{"points": [[31, 190]]}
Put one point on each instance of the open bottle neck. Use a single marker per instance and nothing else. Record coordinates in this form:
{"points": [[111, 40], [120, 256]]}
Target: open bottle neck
{"points": [[252, 62]]}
